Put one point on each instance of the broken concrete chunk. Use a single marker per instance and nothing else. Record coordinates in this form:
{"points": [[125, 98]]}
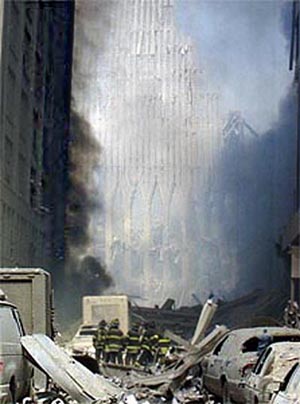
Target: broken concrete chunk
{"points": [[72, 377], [204, 321]]}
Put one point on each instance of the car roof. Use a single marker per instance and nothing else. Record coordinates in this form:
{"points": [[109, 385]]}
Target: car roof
{"points": [[285, 346], [85, 327], [285, 355], [245, 333], [7, 304]]}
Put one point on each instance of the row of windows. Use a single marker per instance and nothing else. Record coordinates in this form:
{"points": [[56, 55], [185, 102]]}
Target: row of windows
{"points": [[9, 166], [22, 243], [25, 184]]}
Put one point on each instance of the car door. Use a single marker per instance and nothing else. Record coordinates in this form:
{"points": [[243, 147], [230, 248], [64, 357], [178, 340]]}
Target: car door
{"points": [[243, 359], [254, 381], [289, 392], [232, 366], [15, 369], [216, 363]]}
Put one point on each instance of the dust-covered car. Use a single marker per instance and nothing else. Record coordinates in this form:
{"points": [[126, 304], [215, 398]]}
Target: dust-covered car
{"points": [[270, 371], [82, 342], [234, 357], [289, 391], [15, 371]]}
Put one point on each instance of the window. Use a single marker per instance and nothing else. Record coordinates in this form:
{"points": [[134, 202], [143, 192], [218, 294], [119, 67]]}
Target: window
{"points": [[29, 14], [10, 87], [251, 345], [22, 174], [10, 331], [33, 187], [8, 159], [220, 345], [24, 105], [19, 322], [261, 361]]}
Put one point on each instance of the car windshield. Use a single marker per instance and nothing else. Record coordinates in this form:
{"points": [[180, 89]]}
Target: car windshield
{"points": [[89, 332], [261, 361], [9, 330], [294, 383]]}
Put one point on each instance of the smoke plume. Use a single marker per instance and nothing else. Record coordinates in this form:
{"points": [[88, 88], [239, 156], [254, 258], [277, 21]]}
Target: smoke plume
{"points": [[84, 273]]}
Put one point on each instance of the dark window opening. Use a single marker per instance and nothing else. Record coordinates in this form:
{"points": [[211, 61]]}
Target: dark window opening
{"points": [[261, 361], [251, 345], [219, 346], [33, 188], [287, 378]]}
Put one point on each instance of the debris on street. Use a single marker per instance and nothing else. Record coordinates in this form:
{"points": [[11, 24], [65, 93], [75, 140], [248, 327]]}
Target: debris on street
{"points": [[72, 377]]}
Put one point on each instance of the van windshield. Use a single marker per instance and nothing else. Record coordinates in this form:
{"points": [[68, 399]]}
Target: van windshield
{"points": [[9, 329]]}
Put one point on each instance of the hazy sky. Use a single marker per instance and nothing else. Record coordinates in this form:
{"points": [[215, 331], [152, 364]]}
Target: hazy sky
{"points": [[242, 51]]}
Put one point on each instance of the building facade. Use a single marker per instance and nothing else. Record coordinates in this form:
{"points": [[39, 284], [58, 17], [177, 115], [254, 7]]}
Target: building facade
{"points": [[36, 38], [136, 81], [290, 237]]}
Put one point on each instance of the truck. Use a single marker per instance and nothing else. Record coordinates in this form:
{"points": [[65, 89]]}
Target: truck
{"points": [[97, 308], [15, 370], [30, 290]]}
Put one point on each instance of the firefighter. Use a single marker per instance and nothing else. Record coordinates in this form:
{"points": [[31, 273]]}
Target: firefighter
{"points": [[264, 341], [147, 348], [163, 347], [99, 340], [132, 343], [292, 315], [114, 343]]}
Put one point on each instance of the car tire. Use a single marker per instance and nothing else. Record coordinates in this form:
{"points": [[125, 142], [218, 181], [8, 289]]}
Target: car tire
{"points": [[13, 389], [57, 400], [225, 393]]}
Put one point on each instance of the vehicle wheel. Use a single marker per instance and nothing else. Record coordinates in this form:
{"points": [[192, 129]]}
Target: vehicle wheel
{"points": [[13, 389], [57, 399], [225, 393]]}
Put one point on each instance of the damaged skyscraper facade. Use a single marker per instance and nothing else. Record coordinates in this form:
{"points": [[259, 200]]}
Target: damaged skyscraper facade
{"points": [[35, 66], [152, 122]]}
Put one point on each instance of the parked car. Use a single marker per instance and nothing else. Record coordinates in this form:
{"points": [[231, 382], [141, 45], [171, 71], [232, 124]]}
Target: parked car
{"points": [[82, 342], [289, 391], [270, 371], [235, 356], [15, 370]]}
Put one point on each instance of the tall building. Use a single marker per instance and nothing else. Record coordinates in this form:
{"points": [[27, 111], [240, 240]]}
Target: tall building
{"points": [[36, 43], [290, 238], [135, 80]]}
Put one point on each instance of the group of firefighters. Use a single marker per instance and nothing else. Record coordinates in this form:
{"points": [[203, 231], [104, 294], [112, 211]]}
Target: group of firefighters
{"points": [[291, 316], [141, 346]]}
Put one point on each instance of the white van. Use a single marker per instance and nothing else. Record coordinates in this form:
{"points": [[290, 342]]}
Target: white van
{"points": [[15, 371]]}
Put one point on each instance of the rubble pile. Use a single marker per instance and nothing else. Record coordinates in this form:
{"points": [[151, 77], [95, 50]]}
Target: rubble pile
{"points": [[254, 309], [178, 380]]}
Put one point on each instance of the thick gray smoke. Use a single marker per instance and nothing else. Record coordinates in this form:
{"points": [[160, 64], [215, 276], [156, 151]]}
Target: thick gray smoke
{"points": [[85, 274], [81, 201]]}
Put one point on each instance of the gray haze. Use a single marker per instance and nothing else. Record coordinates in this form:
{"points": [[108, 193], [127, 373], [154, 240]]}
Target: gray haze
{"points": [[193, 108], [243, 52]]}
